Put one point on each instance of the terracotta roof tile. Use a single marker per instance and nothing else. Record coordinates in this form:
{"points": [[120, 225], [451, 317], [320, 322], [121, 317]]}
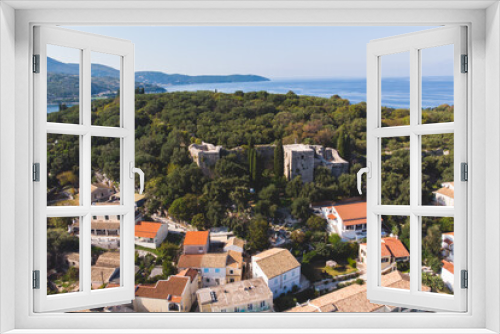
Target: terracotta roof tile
{"points": [[446, 192], [147, 229], [396, 247], [194, 238], [449, 266], [352, 213], [189, 272], [189, 261], [173, 287], [276, 261], [332, 216]]}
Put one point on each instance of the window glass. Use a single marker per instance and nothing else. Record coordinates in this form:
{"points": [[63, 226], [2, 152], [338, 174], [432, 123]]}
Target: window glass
{"points": [[63, 84], [395, 89], [106, 86]]}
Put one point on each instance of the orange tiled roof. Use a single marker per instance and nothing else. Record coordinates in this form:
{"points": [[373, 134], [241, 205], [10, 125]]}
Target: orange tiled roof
{"points": [[392, 247], [396, 247], [352, 213], [147, 229], [194, 238], [173, 287], [449, 233], [446, 192], [449, 266], [190, 261], [332, 216], [189, 272]]}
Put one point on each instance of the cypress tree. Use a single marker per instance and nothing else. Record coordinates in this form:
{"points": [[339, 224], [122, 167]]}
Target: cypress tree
{"points": [[341, 142], [279, 160]]}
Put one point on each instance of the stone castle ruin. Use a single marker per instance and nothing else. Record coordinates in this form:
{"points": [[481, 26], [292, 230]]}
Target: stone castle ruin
{"points": [[300, 159]]}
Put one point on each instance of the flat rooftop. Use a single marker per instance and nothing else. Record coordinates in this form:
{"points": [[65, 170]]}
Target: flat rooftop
{"points": [[233, 294]]}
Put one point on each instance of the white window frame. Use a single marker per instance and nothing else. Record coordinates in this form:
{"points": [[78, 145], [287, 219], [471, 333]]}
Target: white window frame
{"points": [[483, 99], [413, 44], [86, 44]]}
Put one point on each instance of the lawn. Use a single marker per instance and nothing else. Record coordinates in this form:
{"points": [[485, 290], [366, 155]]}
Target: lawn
{"points": [[316, 271]]}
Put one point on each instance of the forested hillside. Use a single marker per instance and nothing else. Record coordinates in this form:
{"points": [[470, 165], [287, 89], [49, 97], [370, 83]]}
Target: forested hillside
{"points": [[166, 124]]}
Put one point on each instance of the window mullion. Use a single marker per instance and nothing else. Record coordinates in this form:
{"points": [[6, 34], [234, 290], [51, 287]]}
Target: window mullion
{"points": [[414, 168]]}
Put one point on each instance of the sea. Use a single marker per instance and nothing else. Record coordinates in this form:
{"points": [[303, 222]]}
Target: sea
{"points": [[436, 90]]}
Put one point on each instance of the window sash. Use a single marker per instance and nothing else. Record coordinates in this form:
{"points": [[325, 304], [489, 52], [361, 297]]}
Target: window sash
{"points": [[413, 43], [86, 43]]}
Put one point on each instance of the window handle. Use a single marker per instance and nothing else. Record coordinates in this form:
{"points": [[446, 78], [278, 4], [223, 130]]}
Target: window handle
{"points": [[134, 170], [368, 171]]}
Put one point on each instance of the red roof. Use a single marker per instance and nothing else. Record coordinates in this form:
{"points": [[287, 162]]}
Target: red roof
{"points": [[392, 247], [189, 272], [170, 289], [396, 247], [195, 238], [147, 229], [449, 266], [332, 216], [352, 213]]}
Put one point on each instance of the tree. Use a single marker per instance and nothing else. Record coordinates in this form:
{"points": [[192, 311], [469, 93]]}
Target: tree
{"points": [[199, 222], [258, 239], [298, 237], [323, 250], [168, 267], [294, 187], [184, 208], [270, 193], [316, 223], [300, 208], [279, 160], [341, 142]]}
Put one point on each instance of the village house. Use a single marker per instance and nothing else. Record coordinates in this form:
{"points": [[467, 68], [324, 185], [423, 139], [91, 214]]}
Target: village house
{"points": [[235, 244], [353, 298], [214, 268], [392, 252], [447, 245], [347, 219], [176, 294], [448, 274], [106, 269], [150, 234], [279, 269], [104, 231], [196, 242], [445, 195], [251, 295], [100, 192]]}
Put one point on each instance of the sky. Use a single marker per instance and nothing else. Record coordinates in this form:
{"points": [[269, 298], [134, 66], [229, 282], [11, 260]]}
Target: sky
{"points": [[274, 52]]}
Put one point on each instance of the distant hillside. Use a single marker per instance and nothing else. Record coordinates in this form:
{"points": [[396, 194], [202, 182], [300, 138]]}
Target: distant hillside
{"points": [[161, 78], [151, 77]]}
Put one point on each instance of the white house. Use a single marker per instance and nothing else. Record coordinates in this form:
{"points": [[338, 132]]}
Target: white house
{"points": [[196, 242], [347, 219], [176, 294], [150, 234], [211, 267], [392, 251], [448, 274], [445, 195], [279, 269]]}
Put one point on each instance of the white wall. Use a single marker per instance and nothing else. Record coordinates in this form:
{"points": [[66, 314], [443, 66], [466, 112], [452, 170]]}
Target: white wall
{"points": [[7, 160], [492, 156], [212, 275]]}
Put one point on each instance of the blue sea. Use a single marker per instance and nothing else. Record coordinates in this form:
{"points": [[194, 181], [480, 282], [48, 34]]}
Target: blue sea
{"points": [[436, 90]]}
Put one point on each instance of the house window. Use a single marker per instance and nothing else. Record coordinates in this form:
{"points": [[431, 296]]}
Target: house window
{"points": [[206, 270], [263, 303], [217, 270], [250, 307], [106, 217]]}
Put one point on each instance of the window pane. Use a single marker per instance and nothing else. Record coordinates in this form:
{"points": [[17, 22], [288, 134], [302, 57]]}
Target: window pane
{"points": [[106, 253], [437, 254], [438, 170], [63, 84], [395, 171], [105, 89], [437, 84], [63, 255], [395, 251], [105, 171], [395, 89], [63, 169]]}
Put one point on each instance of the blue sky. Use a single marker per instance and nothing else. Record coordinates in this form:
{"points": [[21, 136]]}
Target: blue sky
{"points": [[274, 52]]}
